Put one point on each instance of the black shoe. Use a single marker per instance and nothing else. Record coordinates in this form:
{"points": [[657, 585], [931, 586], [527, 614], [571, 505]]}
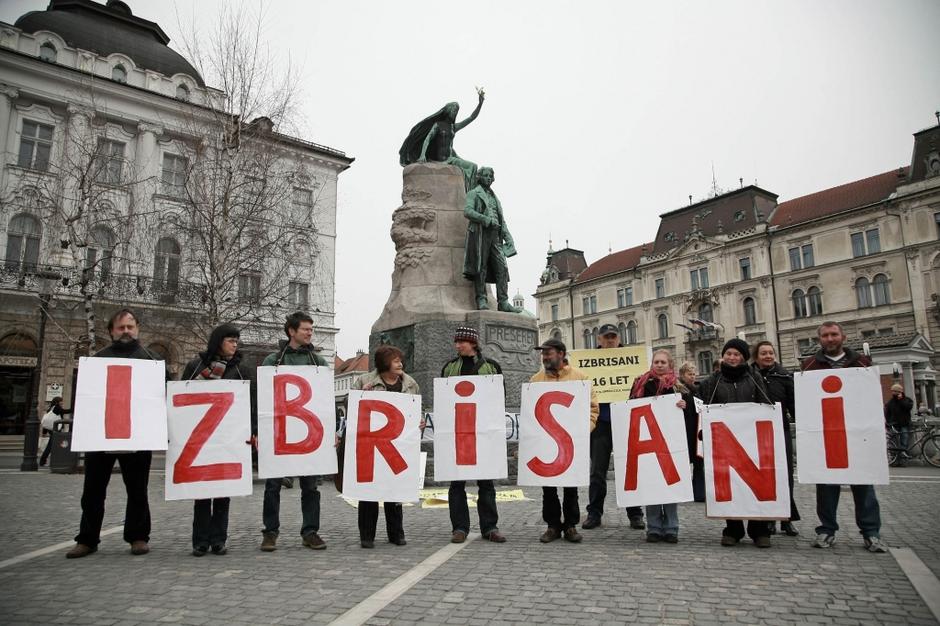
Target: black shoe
{"points": [[670, 538], [367, 543], [653, 538], [200, 551], [398, 541], [789, 529], [637, 523], [591, 522], [219, 549]]}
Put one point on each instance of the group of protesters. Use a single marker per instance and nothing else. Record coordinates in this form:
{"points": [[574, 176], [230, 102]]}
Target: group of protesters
{"points": [[763, 380]]}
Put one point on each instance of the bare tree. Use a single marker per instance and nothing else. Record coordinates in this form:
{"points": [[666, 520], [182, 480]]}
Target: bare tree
{"points": [[247, 203]]}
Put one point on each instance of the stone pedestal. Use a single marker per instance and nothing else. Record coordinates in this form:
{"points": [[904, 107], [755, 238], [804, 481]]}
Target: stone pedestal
{"points": [[430, 297]]}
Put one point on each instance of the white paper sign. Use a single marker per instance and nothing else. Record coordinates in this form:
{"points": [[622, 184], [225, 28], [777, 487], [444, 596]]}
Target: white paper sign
{"points": [[651, 451], [296, 421], [554, 434], [840, 427], [745, 462], [120, 404], [470, 424], [382, 446], [209, 423]]}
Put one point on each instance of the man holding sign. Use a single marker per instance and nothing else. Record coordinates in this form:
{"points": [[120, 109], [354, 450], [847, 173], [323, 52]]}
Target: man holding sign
{"points": [[135, 466], [296, 350], [555, 368], [833, 355], [471, 362]]}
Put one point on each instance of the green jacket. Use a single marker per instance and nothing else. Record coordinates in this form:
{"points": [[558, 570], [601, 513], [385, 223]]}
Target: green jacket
{"points": [[286, 355], [482, 366]]}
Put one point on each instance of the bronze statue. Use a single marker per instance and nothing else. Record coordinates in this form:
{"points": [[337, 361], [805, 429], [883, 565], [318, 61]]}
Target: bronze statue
{"points": [[432, 139], [488, 243]]}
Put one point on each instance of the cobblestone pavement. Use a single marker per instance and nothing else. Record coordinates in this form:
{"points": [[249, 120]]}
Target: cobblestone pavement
{"points": [[612, 577]]}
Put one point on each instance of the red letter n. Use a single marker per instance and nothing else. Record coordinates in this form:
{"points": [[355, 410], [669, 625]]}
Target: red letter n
{"points": [[728, 453], [543, 414], [656, 443], [183, 470], [294, 408], [369, 442]]}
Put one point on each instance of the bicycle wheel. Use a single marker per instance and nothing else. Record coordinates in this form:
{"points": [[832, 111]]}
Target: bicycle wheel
{"points": [[931, 450], [893, 449]]}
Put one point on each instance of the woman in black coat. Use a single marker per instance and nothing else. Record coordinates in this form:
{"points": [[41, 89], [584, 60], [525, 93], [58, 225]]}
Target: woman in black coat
{"points": [[734, 382], [221, 360], [779, 383]]}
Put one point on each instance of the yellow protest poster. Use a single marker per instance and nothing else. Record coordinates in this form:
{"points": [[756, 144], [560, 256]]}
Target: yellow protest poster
{"points": [[612, 370]]}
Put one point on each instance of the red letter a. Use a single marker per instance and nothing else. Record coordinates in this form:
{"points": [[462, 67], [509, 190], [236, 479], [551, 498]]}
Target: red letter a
{"points": [[117, 403], [294, 408], [656, 443], [368, 442], [728, 453], [543, 414]]}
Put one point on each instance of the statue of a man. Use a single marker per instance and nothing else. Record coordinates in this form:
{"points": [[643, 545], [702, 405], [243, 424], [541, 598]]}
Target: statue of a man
{"points": [[488, 243], [432, 139]]}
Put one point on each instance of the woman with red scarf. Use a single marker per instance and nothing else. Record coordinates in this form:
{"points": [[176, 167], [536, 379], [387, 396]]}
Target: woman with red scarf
{"points": [[662, 520]]}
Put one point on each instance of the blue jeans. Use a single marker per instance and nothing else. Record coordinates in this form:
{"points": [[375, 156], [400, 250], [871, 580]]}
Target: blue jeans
{"points": [[867, 511], [662, 519], [309, 505]]}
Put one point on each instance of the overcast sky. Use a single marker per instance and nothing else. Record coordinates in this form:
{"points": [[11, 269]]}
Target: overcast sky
{"points": [[599, 116]]}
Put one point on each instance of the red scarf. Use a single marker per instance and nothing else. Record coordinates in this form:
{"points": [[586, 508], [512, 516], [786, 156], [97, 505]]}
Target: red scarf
{"points": [[666, 381]]}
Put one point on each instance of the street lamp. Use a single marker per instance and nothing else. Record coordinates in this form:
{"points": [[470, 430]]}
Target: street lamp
{"points": [[47, 280], [896, 370]]}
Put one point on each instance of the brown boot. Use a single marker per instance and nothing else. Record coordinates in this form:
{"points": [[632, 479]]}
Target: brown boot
{"points": [[269, 542], [139, 548], [79, 551]]}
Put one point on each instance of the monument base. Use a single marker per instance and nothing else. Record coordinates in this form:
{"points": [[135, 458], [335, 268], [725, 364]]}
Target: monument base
{"points": [[507, 338]]}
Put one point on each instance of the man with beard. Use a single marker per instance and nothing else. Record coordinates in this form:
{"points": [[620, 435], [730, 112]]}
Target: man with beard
{"points": [[833, 355], [135, 466], [555, 368]]}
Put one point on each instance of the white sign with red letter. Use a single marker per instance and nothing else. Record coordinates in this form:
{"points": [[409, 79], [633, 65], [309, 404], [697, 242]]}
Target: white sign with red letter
{"points": [[209, 424], [555, 434], [120, 404], [745, 462], [651, 453], [470, 428], [382, 446], [296, 421], [840, 427]]}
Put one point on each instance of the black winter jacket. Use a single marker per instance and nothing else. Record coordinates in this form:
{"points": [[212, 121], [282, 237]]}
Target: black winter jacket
{"points": [[733, 384], [234, 370], [779, 384], [898, 411]]}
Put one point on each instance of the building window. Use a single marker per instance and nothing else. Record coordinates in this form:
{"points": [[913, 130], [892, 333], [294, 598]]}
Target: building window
{"points": [[936, 219], [119, 74], [660, 287], [622, 331], [750, 312], [799, 303], [705, 312], [585, 305], [795, 263], [99, 251], [745, 265], [699, 278], [705, 360], [866, 243], [23, 236], [631, 333], [174, 174], [863, 292], [693, 279], [297, 295], [808, 260], [182, 92], [621, 298], [587, 339], [814, 300], [663, 325], [805, 346], [109, 162], [249, 287], [885, 331], [628, 295], [166, 266], [35, 145], [554, 312], [48, 53], [868, 334], [879, 287], [593, 304]]}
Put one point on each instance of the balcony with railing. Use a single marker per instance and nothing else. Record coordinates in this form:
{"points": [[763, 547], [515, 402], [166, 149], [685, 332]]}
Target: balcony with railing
{"points": [[702, 335]]}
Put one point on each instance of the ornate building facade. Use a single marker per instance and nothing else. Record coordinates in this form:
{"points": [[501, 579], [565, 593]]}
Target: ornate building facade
{"points": [[110, 147], [866, 254]]}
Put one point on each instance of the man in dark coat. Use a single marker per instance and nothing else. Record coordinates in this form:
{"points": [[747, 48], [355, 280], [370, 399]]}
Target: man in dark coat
{"points": [[898, 415], [135, 466], [833, 355]]}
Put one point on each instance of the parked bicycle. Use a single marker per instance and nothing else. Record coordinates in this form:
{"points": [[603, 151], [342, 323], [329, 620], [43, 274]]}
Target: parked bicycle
{"points": [[922, 437]]}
